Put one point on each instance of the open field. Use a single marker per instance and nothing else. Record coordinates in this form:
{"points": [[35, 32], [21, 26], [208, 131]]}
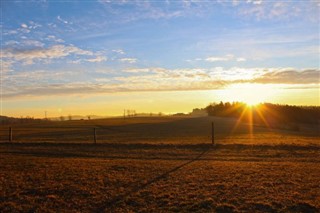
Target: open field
{"points": [[155, 130], [159, 165]]}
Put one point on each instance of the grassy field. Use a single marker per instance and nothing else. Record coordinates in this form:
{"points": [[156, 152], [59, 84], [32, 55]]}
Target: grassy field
{"points": [[159, 164]]}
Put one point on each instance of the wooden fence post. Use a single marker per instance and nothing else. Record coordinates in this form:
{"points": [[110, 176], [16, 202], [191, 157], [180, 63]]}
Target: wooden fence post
{"points": [[10, 134], [94, 135], [212, 133]]}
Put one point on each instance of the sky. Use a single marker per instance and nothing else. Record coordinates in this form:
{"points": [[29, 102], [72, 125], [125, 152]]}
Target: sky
{"points": [[101, 57]]}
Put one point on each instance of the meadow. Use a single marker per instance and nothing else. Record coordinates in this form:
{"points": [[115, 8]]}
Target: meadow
{"points": [[159, 164]]}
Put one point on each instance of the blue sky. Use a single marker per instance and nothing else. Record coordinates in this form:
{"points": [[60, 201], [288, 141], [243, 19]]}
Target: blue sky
{"points": [[89, 50]]}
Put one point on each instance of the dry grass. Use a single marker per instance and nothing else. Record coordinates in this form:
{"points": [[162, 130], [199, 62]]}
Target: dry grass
{"points": [[273, 172], [156, 130]]}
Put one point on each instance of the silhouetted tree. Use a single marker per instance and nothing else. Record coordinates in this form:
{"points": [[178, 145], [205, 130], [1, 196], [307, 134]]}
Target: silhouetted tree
{"points": [[266, 112]]}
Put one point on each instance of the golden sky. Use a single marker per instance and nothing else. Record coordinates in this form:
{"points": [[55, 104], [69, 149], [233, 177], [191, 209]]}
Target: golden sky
{"points": [[102, 57]]}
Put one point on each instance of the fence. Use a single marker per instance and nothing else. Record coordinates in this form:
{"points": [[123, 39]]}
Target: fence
{"points": [[102, 134], [186, 132]]}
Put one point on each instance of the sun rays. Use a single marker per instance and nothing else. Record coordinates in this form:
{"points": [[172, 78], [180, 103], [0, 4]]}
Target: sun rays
{"points": [[252, 115]]}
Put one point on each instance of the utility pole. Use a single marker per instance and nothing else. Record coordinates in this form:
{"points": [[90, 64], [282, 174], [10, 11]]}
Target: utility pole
{"points": [[212, 133]]}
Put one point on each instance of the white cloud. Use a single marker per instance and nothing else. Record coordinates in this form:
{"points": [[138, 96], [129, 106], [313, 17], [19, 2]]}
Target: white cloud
{"points": [[62, 20], [119, 51], [10, 32], [256, 2], [214, 59], [224, 58], [26, 28], [6, 66], [128, 60], [32, 43], [228, 57], [279, 9], [34, 25], [54, 39], [98, 59], [11, 43], [137, 70], [241, 59], [28, 56]]}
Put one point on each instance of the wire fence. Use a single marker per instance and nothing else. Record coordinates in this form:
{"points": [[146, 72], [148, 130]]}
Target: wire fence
{"points": [[97, 134], [174, 132]]}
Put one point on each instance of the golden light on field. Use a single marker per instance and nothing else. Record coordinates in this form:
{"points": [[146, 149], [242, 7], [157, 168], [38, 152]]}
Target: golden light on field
{"points": [[244, 115], [247, 115], [261, 109]]}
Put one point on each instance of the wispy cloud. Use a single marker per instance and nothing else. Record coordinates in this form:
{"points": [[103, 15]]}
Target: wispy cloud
{"points": [[262, 9], [228, 57], [128, 60], [24, 25], [54, 39], [258, 9], [32, 43], [137, 70], [6, 65], [62, 20], [224, 58], [98, 59], [310, 76], [119, 51], [241, 59], [157, 79], [29, 56]]}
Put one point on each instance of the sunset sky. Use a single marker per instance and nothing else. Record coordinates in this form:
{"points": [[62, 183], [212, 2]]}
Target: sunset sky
{"points": [[101, 57]]}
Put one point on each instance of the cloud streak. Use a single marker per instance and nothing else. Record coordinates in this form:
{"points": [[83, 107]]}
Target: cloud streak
{"points": [[311, 76], [98, 59], [159, 79], [228, 57], [128, 60], [29, 56], [225, 58]]}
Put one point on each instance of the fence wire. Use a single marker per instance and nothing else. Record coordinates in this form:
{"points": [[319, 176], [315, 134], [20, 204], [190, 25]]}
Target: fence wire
{"points": [[99, 134], [190, 132]]}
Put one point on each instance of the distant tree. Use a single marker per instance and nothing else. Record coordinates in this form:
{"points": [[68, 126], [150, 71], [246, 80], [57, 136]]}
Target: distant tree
{"points": [[61, 118], [70, 117]]}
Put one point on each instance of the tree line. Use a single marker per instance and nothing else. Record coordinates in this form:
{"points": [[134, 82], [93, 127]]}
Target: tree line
{"points": [[266, 113], [21, 120]]}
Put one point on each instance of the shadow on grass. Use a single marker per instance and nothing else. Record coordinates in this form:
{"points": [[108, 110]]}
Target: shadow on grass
{"points": [[113, 202], [132, 151]]}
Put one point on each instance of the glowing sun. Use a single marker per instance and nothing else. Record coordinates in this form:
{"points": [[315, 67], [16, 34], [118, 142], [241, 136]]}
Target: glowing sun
{"points": [[251, 94]]}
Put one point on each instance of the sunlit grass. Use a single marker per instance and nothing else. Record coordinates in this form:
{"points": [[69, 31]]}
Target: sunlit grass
{"points": [[63, 178], [161, 165]]}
